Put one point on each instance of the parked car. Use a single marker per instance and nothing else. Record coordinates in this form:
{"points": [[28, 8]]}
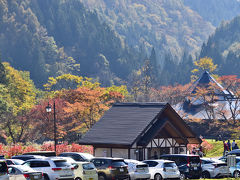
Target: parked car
{"points": [[235, 170], [110, 168], [42, 153], [3, 170], [52, 168], [213, 168], [162, 169], [14, 161], [27, 157], [77, 156], [2, 157], [83, 170], [233, 152], [137, 169], [189, 165], [20, 172]]}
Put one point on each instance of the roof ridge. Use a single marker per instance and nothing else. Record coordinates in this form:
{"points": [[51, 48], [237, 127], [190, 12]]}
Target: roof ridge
{"points": [[141, 104]]}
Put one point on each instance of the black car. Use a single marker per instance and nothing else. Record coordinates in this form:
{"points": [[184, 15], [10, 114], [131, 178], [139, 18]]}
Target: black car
{"points": [[111, 168], [188, 165]]}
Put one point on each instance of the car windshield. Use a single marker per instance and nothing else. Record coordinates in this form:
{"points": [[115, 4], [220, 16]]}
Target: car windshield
{"points": [[194, 159], [18, 161], [3, 167], [118, 163], [88, 166], [169, 164], [61, 163]]}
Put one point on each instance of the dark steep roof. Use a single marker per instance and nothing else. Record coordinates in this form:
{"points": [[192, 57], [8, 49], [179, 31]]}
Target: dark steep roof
{"points": [[204, 82], [124, 124]]}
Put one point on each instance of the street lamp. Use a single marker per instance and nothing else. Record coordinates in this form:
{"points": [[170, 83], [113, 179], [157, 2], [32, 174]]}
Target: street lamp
{"points": [[48, 110]]}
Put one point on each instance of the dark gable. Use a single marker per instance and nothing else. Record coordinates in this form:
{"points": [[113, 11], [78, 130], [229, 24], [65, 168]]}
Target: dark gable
{"points": [[127, 123]]}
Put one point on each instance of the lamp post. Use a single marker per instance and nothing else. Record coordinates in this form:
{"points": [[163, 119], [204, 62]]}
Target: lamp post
{"points": [[48, 110]]}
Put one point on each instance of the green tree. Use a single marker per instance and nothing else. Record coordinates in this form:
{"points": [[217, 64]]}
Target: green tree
{"points": [[17, 99]]}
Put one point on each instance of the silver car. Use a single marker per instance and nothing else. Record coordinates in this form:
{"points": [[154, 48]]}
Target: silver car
{"points": [[235, 170], [20, 172], [137, 169], [213, 168]]}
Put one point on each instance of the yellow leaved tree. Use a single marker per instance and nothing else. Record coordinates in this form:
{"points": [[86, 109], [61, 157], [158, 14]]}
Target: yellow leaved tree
{"points": [[203, 64]]}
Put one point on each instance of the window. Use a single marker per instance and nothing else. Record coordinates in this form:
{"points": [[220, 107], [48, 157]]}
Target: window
{"points": [[151, 163], [99, 162], [9, 162], [170, 164], [88, 166], [61, 163], [39, 164], [118, 163], [3, 167], [77, 157]]}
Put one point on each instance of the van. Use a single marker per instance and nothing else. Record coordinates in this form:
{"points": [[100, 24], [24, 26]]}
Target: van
{"points": [[189, 165]]}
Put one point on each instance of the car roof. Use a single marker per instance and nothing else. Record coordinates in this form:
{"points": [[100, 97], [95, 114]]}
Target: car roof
{"points": [[28, 155], [109, 158], [160, 160], [133, 161]]}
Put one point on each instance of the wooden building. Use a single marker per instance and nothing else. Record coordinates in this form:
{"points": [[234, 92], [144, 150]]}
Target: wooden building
{"points": [[140, 131]]}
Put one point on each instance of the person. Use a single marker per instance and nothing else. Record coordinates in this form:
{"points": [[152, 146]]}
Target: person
{"points": [[236, 146], [229, 145], [225, 147], [194, 151], [155, 155], [233, 144]]}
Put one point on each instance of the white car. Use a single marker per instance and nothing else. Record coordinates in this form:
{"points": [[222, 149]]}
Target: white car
{"points": [[77, 156], [3, 170], [137, 169], [52, 168], [21, 172], [162, 169], [213, 168]]}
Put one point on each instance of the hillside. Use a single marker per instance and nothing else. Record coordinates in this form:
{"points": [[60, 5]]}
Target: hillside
{"points": [[54, 37], [223, 47], [215, 11], [167, 25]]}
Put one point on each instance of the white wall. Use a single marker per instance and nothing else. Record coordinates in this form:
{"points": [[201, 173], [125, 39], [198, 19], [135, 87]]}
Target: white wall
{"points": [[106, 152], [102, 152], [120, 153]]}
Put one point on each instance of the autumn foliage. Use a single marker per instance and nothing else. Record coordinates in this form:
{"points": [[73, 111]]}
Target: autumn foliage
{"points": [[18, 149]]}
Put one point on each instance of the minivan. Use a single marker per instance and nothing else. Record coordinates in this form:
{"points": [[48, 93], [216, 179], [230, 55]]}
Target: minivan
{"points": [[189, 165]]}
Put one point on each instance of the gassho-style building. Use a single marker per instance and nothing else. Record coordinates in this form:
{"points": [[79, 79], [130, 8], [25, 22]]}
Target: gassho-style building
{"points": [[140, 131]]}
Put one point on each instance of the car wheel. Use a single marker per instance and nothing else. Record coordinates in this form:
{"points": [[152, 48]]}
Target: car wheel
{"points": [[78, 178], [205, 175], [236, 174], [102, 177], [182, 177], [157, 177], [45, 177]]}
